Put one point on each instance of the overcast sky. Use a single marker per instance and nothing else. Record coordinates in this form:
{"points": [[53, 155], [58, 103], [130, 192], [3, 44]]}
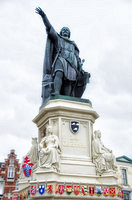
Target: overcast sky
{"points": [[102, 30]]}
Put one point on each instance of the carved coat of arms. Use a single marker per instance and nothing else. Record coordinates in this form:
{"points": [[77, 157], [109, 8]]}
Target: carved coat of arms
{"points": [[33, 189], [41, 189], [74, 126]]}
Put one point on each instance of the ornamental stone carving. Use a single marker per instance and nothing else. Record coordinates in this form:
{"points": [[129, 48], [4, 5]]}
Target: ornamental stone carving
{"points": [[103, 157]]}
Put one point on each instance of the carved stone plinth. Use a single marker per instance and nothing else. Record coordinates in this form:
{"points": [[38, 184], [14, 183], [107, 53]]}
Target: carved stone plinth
{"points": [[75, 147], [72, 129]]}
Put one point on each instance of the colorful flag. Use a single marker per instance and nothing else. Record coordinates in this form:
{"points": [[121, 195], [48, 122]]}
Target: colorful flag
{"points": [[61, 189], [41, 189], [120, 192], [28, 192], [49, 188], [91, 190], [84, 189], [56, 189], [76, 189], [22, 196], [112, 191], [106, 191], [98, 191], [15, 197], [33, 190], [69, 189], [27, 167]]}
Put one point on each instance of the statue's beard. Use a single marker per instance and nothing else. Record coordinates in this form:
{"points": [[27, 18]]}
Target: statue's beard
{"points": [[65, 35]]}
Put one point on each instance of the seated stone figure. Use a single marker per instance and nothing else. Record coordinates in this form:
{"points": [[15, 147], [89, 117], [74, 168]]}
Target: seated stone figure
{"points": [[103, 157], [49, 150]]}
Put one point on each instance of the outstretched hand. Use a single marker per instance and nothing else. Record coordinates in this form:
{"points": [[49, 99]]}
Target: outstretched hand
{"points": [[40, 11]]}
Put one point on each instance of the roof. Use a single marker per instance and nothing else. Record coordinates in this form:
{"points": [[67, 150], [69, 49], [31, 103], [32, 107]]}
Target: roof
{"points": [[124, 159]]}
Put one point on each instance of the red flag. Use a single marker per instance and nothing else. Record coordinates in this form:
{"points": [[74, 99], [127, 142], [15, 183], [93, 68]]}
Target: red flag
{"points": [[33, 190], [61, 189], [106, 191], [27, 167], [112, 191], [49, 188], [84, 189], [69, 189], [76, 189], [91, 190], [15, 197]]}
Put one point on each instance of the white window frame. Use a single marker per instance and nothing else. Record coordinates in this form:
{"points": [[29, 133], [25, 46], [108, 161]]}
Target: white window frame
{"points": [[124, 176], [10, 172], [11, 161]]}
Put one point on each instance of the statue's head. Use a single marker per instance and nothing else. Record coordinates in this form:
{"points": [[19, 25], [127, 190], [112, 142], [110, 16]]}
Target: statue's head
{"points": [[49, 130], [97, 134], [65, 32]]}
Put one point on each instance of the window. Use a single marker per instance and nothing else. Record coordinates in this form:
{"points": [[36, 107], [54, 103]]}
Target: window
{"points": [[126, 195], [124, 176], [17, 187], [11, 172], [11, 161], [1, 188]]}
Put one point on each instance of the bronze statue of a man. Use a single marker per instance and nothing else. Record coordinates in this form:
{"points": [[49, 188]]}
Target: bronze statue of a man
{"points": [[62, 64]]}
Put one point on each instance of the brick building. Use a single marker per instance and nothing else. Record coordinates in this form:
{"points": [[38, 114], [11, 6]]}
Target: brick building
{"points": [[9, 174]]}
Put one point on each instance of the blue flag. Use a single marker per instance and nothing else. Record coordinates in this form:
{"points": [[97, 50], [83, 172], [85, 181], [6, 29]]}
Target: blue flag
{"points": [[41, 189]]}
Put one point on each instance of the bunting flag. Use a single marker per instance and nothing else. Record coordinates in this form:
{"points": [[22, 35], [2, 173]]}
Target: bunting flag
{"points": [[106, 191], [84, 189], [28, 193], [15, 197], [20, 195], [122, 194], [61, 189], [27, 167], [33, 190], [24, 193], [69, 189], [56, 189], [112, 191], [91, 190], [119, 192], [41, 189], [76, 189], [49, 188], [98, 191]]}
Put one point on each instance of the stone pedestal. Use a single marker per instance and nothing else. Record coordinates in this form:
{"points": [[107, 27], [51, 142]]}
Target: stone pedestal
{"points": [[76, 166], [76, 155]]}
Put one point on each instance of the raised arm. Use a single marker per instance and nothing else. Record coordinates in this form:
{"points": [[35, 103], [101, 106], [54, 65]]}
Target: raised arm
{"points": [[44, 17]]}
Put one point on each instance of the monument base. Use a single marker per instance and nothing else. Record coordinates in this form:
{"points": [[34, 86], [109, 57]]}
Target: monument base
{"points": [[76, 178]]}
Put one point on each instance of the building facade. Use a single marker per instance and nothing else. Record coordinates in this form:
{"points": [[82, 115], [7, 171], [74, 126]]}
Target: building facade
{"points": [[124, 165], [9, 174]]}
